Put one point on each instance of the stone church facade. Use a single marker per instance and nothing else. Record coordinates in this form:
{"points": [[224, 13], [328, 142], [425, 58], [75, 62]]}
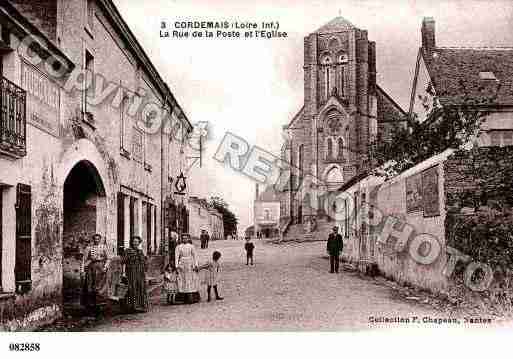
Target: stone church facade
{"points": [[344, 111]]}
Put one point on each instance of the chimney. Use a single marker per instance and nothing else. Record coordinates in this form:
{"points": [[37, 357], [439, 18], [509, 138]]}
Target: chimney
{"points": [[428, 34]]}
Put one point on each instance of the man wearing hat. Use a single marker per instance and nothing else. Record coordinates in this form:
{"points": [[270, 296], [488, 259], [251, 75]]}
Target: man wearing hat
{"points": [[334, 247]]}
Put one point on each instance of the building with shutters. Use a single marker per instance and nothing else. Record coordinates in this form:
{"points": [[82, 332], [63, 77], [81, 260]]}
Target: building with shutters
{"points": [[74, 163], [203, 216], [266, 213]]}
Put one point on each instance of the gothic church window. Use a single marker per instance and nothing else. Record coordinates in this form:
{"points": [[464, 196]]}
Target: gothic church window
{"points": [[327, 62], [341, 82], [329, 148], [340, 148]]}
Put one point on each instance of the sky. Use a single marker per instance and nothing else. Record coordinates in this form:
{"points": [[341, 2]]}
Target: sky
{"points": [[252, 87]]}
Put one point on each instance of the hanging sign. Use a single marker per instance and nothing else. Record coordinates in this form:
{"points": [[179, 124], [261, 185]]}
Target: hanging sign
{"points": [[180, 185]]}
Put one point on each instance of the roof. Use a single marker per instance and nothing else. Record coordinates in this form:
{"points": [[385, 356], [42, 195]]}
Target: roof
{"points": [[388, 109], [269, 195], [299, 114], [454, 73], [337, 24]]}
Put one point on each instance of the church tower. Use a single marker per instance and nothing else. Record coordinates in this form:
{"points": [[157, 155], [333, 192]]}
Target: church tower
{"points": [[330, 136], [340, 99]]}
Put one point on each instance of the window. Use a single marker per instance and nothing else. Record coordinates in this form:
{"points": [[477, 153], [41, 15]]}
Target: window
{"points": [[327, 82], [89, 14], [132, 216], [329, 148], [501, 138], [507, 138], [123, 120], [487, 75], [23, 262], [137, 145], [341, 83], [121, 224], [89, 68], [340, 148]]}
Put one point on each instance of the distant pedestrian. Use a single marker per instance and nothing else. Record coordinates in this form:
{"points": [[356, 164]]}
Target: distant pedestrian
{"points": [[334, 247], [204, 238], [170, 283], [249, 247], [214, 271]]}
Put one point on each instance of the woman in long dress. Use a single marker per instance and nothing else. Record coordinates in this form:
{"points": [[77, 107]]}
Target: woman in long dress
{"points": [[96, 265], [187, 266], [136, 299]]}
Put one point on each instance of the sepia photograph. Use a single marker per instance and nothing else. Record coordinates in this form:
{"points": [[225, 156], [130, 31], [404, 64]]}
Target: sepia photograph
{"points": [[196, 167]]}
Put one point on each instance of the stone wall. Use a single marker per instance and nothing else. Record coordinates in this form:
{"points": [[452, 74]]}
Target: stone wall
{"points": [[479, 200]]}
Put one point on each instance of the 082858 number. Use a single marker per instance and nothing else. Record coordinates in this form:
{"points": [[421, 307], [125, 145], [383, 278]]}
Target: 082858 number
{"points": [[24, 347]]}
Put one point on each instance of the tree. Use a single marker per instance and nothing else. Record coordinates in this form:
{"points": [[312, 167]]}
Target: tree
{"points": [[230, 221], [451, 125]]}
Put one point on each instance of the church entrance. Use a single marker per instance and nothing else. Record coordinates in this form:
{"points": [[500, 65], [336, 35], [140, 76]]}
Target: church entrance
{"points": [[84, 204]]}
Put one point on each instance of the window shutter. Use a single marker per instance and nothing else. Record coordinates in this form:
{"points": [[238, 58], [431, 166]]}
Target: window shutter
{"points": [[23, 262], [147, 209], [121, 223]]}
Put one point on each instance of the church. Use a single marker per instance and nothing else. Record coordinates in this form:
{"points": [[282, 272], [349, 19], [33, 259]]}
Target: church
{"points": [[344, 111]]}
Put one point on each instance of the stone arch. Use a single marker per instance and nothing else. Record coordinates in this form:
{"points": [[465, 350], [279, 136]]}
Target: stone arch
{"points": [[333, 176], [85, 210], [83, 150]]}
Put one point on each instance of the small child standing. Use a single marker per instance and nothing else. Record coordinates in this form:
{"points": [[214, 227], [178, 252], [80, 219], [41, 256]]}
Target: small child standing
{"points": [[214, 271], [249, 247], [170, 283]]}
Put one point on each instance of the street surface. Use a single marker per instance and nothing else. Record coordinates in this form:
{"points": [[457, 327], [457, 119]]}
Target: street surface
{"points": [[288, 288]]}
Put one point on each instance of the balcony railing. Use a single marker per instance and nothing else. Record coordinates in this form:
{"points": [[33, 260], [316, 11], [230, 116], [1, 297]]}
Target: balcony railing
{"points": [[13, 122]]}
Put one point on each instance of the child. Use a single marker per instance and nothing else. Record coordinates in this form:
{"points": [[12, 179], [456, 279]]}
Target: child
{"points": [[214, 271], [249, 247], [170, 283]]}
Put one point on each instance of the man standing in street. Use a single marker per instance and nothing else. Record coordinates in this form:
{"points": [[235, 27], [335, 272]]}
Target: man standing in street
{"points": [[204, 239], [334, 247]]}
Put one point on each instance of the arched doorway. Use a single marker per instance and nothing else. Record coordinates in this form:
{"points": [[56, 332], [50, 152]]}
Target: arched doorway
{"points": [[84, 205]]}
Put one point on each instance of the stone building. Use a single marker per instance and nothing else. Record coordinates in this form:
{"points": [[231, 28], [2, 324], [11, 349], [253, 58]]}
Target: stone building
{"points": [[77, 159], [202, 216], [481, 76], [266, 213], [216, 224], [344, 110]]}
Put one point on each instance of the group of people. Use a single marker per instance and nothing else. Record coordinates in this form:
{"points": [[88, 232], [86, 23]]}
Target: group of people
{"points": [[181, 275], [96, 265]]}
